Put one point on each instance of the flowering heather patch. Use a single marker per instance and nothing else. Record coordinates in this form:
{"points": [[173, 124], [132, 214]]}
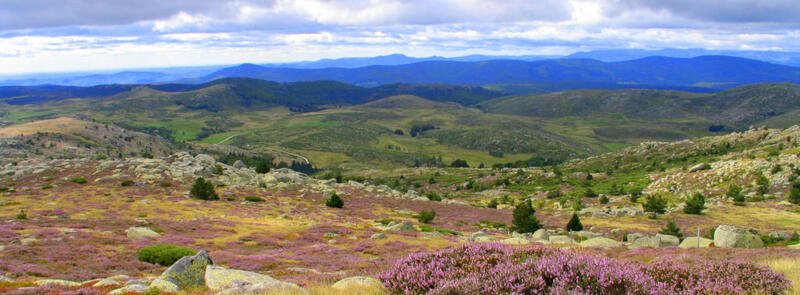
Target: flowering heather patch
{"points": [[502, 269]]}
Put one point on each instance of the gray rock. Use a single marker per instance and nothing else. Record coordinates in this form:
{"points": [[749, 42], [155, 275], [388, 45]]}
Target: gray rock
{"points": [[559, 239], [276, 287], [541, 234], [106, 282], [378, 236], [220, 278], [129, 289], [136, 232], [188, 271], [693, 242], [358, 283], [699, 167], [668, 240], [728, 236], [164, 286], [401, 226], [239, 164], [600, 242]]}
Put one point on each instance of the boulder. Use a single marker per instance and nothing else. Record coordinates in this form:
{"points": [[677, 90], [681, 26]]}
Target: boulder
{"points": [[401, 226], [135, 288], [239, 164], [378, 236], [515, 241], [188, 271], [354, 284], [164, 286], [668, 240], [699, 167], [602, 242], [220, 278], [692, 242], [106, 283], [276, 287], [28, 241], [560, 239], [541, 234], [136, 232], [728, 236], [651, 242]]}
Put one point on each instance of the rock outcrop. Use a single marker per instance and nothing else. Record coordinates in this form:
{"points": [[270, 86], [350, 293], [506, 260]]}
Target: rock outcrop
{"points": [[728, 236]]}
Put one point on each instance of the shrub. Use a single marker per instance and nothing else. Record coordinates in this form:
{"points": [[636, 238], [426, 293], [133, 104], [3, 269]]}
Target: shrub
{"points": [[426, 216], [763, 184], [459, 163], [672, 229], [253, 199], [589, 193], [80, 179], [574, 223], [22, 215], [695, 204], [492, 204], [554, 194], [524, 219], [655, 204], [47, 186], [164, 184], [163, 254], [262, 167], [126, 183], [604, 200], [482, 268], [203, 190], [433, 196], [794, 194], [334, 201]]}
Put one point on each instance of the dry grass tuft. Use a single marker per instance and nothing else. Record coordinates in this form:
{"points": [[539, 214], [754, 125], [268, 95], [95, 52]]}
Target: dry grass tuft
{"points": [[789, 266]]}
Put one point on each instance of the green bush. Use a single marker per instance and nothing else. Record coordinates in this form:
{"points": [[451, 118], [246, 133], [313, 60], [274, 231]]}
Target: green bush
{"points": [[794, 194], [574, 223], [126, 183], [655, 204], [459, 163], [334, 201], [492, 204], [203, 190], [163, 254], [164, 184], [262, 167], [22, 215], [589, 193], [554, 194], [254, 199], [47, 186], [79, 180], [433, 196], [426, 216], [604, 200], [695, 204]]}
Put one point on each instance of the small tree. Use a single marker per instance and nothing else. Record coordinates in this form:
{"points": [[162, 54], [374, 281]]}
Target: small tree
{"points": [[426, 216], [203, 190], [604, 200], [22, 215], [655, 205], [524, 220], [695, 204], [763, 184], [334, 201], [589, 193], [794, 195], [554, 194], [735, 192], [459, 163], [492, 204], [672, 229], [262, 167], [574, 223]]}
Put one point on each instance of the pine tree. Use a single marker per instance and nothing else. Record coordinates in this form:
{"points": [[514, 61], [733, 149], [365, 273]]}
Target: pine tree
{"points": [[524, 218], [203, 190], [655, 204], [262, 167], [672, 229], [334, 201], [695, 204], [574, 223]]}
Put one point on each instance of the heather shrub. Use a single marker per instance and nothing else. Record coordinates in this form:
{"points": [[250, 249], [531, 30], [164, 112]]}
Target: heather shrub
{"points": [[334, 201], [537, 269], [163, 254], [203, 190]]}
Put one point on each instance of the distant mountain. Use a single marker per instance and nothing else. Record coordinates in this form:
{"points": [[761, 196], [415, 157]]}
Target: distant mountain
{"points": [[87, 79], [396, 59], [705, 72], [612, 55]]}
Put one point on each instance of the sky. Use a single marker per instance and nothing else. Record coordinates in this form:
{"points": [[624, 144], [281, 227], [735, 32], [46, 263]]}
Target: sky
{"points": [[74, 35]]}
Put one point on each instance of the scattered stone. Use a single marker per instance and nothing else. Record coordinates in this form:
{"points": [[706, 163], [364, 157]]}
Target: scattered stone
{"points": [[164, 286], [699, 167], [728, 236], [137, 232], [692, 242], [135, 288], [188, 271], [357, 283], [378, 236], [600, 242], [220, 278], [276, 287]]}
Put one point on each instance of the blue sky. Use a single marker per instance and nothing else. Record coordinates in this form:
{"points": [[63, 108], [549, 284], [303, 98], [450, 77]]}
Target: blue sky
{"points": [[68, 35]]}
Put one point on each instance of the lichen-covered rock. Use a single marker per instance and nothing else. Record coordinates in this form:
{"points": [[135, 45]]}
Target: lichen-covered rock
{"points": [[728, 236], [136, 232], [668, 240], [559, 239], [378, 236], [602, 242], [135, 288], [641, 242], [353, 284], [541, 234], [106, 283], [276, 287], [164, 286], [56, 282], [693, 242], [220, 278], [188, 271], [515, 241], [401, 226]]}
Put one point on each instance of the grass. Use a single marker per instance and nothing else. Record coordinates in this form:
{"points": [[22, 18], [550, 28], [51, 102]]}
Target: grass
{"points": [[789, 266]]}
